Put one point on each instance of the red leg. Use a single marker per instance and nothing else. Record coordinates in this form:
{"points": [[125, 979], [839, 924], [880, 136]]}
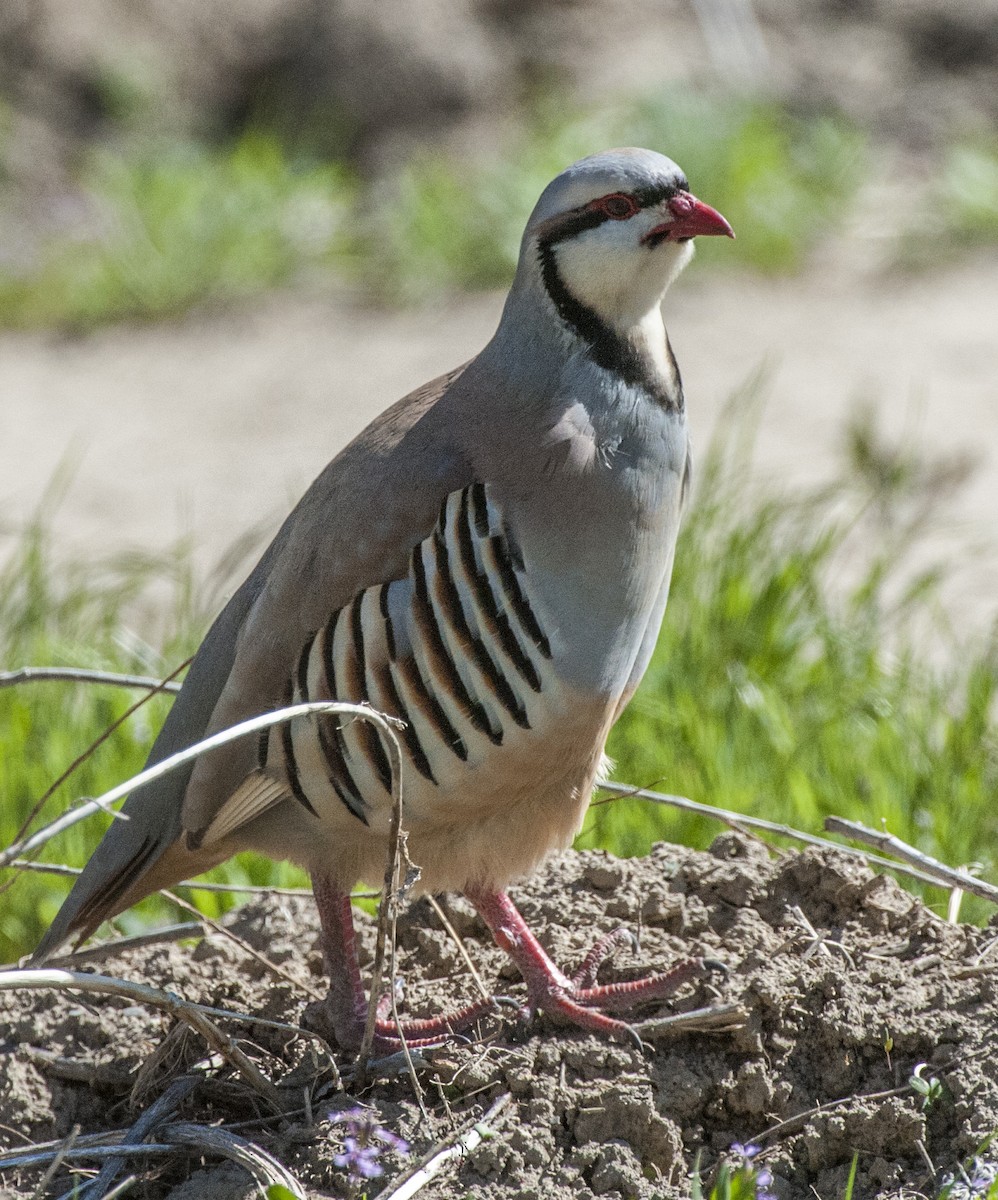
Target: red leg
{"points": [[579, 999], [344, 1012], [576, 999]]}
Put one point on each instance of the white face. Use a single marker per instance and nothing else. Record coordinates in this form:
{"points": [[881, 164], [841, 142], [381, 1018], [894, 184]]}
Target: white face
{"points": [[605, 240], [614, 271]]}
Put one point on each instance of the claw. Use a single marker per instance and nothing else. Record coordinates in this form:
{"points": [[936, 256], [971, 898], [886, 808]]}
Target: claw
{"points": [[506, 1002]]}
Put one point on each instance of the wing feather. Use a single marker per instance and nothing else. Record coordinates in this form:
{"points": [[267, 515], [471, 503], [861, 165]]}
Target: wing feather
{"points": [[353, 528], [254, 796]]}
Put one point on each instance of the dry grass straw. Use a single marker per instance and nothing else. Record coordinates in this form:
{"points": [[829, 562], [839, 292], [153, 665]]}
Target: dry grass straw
{"points": [[153, 686], [243, 729], [210, 1140], [400, 874], [927, 866], [400, 871], [85, 675], [218, 927], [461, 1142]]}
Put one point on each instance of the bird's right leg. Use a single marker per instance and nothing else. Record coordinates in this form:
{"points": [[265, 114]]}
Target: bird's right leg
{"points": [[344, 1011]]}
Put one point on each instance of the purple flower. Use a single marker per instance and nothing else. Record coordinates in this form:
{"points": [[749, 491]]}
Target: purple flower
{"points": [[971, 1182], [763, 1177], [361, 1161], [982, 1174], [364, 1141], [392, 1141]]}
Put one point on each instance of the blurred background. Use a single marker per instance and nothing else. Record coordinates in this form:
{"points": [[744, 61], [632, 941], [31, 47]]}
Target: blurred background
{"points": [[231, 231]]}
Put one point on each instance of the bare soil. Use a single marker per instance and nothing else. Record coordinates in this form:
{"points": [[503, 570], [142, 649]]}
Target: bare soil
{"points": [[846, 982]]}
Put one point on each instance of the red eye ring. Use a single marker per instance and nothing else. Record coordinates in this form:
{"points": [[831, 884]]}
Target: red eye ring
{"points": [[618, 207]]}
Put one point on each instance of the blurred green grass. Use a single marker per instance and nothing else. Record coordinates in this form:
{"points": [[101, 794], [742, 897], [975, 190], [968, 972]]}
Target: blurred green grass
{"points": [[960, 210], [181, 225], [791, 679], [968, 191], [166, 226], [173, 226], [64, 611]]}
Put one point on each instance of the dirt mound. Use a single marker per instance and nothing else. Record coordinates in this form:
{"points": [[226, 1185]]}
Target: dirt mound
{"points": [[847, 984]]}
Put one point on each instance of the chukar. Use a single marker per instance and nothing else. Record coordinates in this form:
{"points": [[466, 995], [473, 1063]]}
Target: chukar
{"points": [[488, 561]]}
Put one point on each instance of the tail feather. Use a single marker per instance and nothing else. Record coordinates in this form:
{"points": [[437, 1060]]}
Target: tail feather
{"points": [[151, 868], [100, 905]]}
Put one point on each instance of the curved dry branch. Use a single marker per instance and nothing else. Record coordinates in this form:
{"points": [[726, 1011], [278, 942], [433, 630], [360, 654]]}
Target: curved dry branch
{"points": [[741, 822], [86, 675], [243, 729]]}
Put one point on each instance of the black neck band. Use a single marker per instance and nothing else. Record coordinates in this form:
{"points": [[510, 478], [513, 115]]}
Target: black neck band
{"points": [[604, 344]]}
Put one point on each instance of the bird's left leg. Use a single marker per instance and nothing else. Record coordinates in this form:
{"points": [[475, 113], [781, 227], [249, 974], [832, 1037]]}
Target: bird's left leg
{"points": [[344, 1011], [578, 999]]}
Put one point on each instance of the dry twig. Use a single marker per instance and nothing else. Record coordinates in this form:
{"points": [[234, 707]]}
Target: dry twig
{"points": [[166, 933], [264, 1168], [362, 711], [212, 1139], [717, 1018], [938, 873], [85, 675], [859, 1097], [158, 686], [740, 822], [197, 885], [223, 930], [112, 1075], [399, 875], [459, 943], [155, 1114], [57, 1161], [459, 1143]]}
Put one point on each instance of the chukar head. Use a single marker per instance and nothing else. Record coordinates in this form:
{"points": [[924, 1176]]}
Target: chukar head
{"points": [[609, 235]]}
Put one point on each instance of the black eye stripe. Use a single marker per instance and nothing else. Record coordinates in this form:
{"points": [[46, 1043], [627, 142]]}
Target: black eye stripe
{"points": [[589, 216], [655, 195]]}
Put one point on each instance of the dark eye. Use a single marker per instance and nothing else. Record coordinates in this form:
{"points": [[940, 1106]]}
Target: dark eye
{"points": [[617, 207]]}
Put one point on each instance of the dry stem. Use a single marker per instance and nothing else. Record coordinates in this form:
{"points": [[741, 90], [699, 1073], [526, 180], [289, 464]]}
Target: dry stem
{"points": [[458, 1143], [938, 873], [740, 822], [85, 675]]}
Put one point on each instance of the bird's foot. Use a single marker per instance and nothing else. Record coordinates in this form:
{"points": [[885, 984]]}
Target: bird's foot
{"points": [[588, 1006], [600, 952], [342, 1018], [578, 999]]}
